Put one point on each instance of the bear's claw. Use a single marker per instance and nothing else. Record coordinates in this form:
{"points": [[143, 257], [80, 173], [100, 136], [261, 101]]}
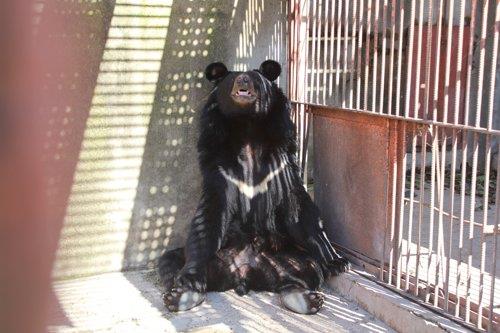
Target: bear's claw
{"points": [[182, 299]]}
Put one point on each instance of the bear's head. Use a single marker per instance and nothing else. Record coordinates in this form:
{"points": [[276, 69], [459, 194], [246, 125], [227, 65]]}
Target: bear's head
{"points": [[248, 93]]}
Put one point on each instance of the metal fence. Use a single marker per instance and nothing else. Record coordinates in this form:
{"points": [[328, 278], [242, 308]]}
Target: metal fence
{"points": [[431, 66]]}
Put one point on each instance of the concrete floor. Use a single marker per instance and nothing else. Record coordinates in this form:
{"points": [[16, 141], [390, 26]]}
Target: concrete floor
{"points": [[131, 302]]}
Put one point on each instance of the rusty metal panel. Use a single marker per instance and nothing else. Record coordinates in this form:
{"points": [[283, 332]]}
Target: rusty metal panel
{"points": [[352, 159]]}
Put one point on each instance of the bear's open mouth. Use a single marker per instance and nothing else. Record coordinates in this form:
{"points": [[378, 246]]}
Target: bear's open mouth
{"points": [[244, 96], [243, 92]]}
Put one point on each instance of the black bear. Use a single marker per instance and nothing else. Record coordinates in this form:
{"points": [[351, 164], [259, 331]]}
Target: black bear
{"points": [[255, 228]]}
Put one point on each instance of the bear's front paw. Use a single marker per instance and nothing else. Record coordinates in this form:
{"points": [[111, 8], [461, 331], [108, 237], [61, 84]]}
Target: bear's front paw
{"points": [[339, 266], [191, 279], [182, 299], [187, 292]]}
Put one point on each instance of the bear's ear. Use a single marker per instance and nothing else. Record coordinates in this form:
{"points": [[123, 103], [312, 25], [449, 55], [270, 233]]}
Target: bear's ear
{"points": [[270, 69], [215, 71]]}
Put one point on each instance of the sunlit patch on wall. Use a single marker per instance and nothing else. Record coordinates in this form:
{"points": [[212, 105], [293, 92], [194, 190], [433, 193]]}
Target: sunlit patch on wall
{"points": [[169, 182], [67, 86], [261, 32], [100, 206]]}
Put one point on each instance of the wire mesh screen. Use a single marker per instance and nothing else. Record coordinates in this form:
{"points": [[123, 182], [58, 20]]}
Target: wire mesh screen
{"points": [[431, 66]]}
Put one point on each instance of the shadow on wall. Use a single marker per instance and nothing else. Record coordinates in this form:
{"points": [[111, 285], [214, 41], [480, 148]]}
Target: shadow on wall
{"points": [[136, 183], [169, 181]]}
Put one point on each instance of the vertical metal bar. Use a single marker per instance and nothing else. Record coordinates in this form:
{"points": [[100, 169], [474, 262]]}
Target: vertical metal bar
{"points": [[353, 52], [375, 55], [482, 55], [458, 86], [313, 57], [294, 50], [445, 119], [463, 180], [495, 247], [384, 46], [458, 72], [423, 161], [359, 54], [393, 216], [292, 46], [308, 119], [305, 9], [401, 154], [400, 56], [301, 132], [428, 56], [493, 71], [435, 135], [409, 72], [452, 214], [418, 61], [289, 44], [325, 53], [470, 60], [300, 127], [367, 55], [486, 198], [391, 56], [339, 37], [471, 225], [465, 148], [494, 58], [318, 50], [410, 214], [332, 42], [345, 52], [449, 39], [441, 163]]}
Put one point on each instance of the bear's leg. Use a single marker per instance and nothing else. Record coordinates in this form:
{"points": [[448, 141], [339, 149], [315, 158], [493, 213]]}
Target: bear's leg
{"points": [[308, 233], [169, 264], [176, 299], [205, 238], [184, 296], [298, 278]]}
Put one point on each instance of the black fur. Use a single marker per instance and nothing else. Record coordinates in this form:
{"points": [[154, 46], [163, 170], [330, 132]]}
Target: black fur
{"points": [[269, 238]]}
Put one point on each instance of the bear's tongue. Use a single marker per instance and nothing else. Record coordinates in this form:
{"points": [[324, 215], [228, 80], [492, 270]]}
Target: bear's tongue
{"points": [[243, 93]]}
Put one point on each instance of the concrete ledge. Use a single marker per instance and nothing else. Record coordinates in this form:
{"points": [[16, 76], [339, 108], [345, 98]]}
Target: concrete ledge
{"points": [[394, 310]]}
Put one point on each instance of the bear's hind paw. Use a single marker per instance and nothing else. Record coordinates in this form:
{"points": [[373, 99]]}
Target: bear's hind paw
{"points": [[301, 300]]}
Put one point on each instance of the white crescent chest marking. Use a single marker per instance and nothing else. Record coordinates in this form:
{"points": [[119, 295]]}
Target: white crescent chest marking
{"points": [[251, 191]]}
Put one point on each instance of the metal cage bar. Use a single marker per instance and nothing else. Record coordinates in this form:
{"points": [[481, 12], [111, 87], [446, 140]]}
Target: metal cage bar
{"points": [[431, 67]]}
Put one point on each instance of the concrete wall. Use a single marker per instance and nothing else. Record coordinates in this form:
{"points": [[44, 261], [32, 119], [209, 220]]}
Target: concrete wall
{"points": [[136, 181]]}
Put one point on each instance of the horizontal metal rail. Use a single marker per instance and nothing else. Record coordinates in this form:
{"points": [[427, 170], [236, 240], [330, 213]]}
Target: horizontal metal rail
{"points": [[481, 130]]}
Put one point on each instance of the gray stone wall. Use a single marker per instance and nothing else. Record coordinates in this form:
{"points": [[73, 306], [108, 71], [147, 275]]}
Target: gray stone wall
{"points": [[136, 183]]}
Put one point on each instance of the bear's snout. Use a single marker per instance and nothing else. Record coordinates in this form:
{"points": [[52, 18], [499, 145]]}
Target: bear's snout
{"points": [[243, 91]]}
